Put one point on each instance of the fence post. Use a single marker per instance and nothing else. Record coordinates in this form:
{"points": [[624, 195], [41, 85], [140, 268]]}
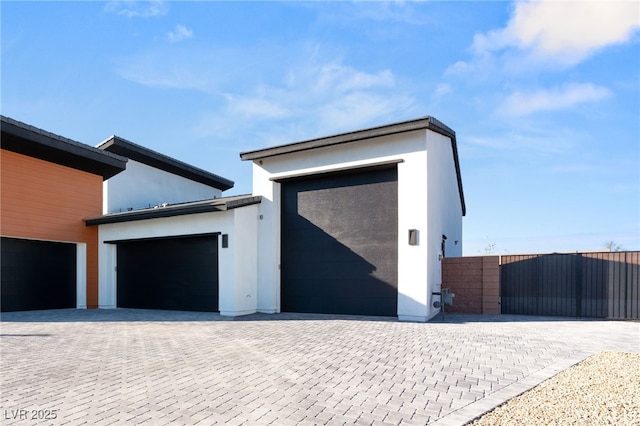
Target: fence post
{"points": [[538, 300], [579, 285], [627, 299]]}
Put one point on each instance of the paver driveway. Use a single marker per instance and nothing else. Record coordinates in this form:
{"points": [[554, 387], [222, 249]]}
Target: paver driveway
{"points": [[157, 367]]}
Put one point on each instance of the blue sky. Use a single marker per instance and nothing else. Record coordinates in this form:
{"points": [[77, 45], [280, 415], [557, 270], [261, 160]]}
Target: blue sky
{"points": [[544, 97]]}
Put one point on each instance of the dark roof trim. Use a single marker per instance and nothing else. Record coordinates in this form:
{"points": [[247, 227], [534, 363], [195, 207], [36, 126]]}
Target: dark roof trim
{"points": [[168, 237], [374, 132], [359, 167], [152, 158], [456, 161], [424, 123], [206, 206], [37, 143]]}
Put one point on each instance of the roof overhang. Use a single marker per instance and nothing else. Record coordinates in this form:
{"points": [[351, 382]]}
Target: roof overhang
{"points": [[152, 158], [205, 206], [424, 123], [359, 135], [37, 143]]}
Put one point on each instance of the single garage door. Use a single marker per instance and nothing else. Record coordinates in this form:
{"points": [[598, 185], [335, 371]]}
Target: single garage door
{"points": [[172, 273], [37, 275], [340, 243]]}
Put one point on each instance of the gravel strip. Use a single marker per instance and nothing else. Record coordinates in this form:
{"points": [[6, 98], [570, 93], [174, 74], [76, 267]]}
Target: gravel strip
{"points": [[604, 389]]}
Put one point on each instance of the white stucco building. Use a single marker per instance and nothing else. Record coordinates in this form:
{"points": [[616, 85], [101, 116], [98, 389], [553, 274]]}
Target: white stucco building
{"points": [[152, 179], [391, 195], [354, 223], [169, 240]]}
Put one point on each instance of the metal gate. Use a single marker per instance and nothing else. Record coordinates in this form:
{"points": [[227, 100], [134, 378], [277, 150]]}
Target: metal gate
{"points": [[596, 285]]}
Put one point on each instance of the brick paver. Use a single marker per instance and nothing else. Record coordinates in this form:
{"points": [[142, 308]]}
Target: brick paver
{"points": [[122, 366]]}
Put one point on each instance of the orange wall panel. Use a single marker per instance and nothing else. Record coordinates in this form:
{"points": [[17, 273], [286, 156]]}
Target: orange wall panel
{"points": [[47, 201]]}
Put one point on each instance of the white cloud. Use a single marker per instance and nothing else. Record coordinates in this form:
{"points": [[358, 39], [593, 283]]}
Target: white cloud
{"points": [[442, 89], [343, 79], [205, 70], [256, 107], [395, 11], [517, 144], [179, 33], [305, 95], [524, 141], [377, 11], [358, 109], [332, 96], [526, 103], [565, 32], [137, 9], [155, 70], [312, 100], [570, 168], [331, 93]]}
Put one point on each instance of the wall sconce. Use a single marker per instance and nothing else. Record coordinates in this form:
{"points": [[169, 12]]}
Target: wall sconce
{"points": [[413, 237]]}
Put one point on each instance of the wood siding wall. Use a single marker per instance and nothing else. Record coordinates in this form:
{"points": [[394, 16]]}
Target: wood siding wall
{"points": [[46, 201], [475, 281]]}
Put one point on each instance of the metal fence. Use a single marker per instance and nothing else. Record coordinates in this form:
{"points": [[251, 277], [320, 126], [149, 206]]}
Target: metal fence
{"points": [[596, 285]]}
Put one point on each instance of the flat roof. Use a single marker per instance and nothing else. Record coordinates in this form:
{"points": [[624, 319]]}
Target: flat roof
{"points": [[37, 143], [118, 145], [358, 135], [423, 123], [179, 209]]}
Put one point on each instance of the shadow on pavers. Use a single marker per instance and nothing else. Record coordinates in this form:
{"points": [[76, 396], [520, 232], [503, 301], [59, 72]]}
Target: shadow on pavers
{"points": [[458, 318], [152, 315], [149, 315], [109, 315]]}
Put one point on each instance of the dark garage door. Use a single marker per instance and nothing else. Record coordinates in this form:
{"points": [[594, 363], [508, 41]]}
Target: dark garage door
{"points": [[340, 243], [37, 275], [173, 273]]}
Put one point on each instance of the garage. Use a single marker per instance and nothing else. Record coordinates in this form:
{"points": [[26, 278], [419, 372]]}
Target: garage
{"points": [[339, 246], [176, 273], [37, 275]]}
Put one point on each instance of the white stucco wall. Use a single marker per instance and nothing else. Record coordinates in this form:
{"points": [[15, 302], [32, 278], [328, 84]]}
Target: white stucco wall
{"points": [[141, 186], [412, 214], [417, 273], [444, 212], [81, 275], [241, 288], [237, 269], [268, 263]]}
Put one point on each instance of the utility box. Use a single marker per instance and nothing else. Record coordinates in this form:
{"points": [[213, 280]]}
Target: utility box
{"points": [[446, 298]]}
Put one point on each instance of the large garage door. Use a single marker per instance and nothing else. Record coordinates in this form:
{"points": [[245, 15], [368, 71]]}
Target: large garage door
{"points": [[340, 243], [175, 273], [37, 275]]}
